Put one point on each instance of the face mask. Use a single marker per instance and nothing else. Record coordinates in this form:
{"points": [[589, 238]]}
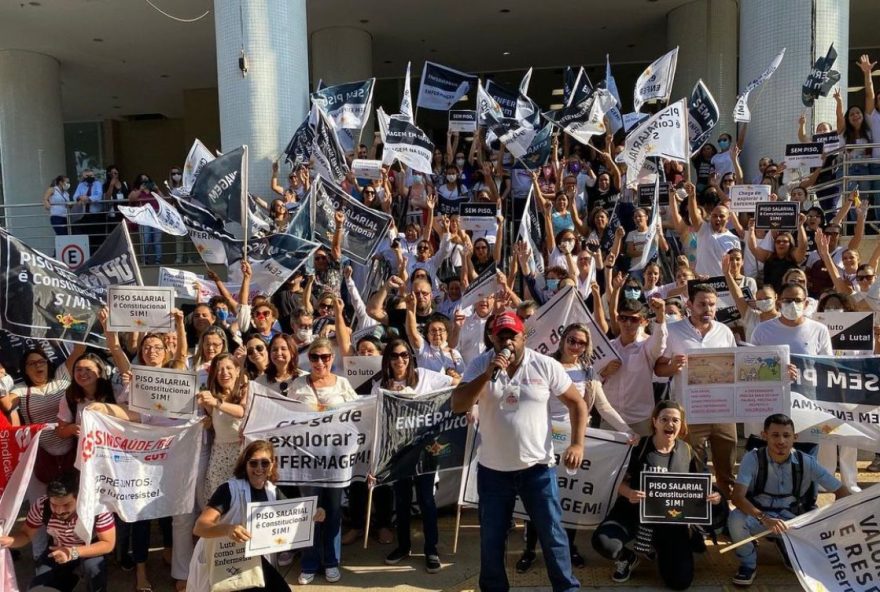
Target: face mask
{"points": [[792, 310], [765, 305], [552, 285], [417, 180], [65, 186], [670, 318], [304, 335], [175, 177], [222, 315], [567, 246], [631, 293], [575, 168], [547, 171], [459, 162], [451, 178], [833, 310], [724, 144]]}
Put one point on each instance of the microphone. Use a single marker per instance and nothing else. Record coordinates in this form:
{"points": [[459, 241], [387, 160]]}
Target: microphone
{"points": [[506, 353]]}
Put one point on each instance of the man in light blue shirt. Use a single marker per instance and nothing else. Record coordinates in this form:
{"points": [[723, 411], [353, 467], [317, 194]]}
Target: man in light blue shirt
{"points": [[775, 483], [89, 193]]}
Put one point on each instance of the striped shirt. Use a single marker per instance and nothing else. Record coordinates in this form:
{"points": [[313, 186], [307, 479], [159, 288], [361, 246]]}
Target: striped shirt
{"points": [[61, 531], [39, 404]]}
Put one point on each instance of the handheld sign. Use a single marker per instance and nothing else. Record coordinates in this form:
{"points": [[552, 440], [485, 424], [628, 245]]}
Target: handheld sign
{"points": [[477, 216], [186, 284], [830, 141], [744, 197], [135, 308], [675, 498], [163, 391], [366, 169], [462, 121], [849, 330], [646, 195], [803, 155], [280, 525], [361, 369], [777, 215]]}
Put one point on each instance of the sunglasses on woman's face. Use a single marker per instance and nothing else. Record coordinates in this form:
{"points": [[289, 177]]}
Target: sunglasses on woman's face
{"points": [[401, 355], [256, 349], [322, 357], [262, 463]]}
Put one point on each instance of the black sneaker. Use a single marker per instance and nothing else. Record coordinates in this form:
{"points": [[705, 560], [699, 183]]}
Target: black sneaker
{"points": [[396, 556], [432, 564], [744, 576], [624, 566], [525, 562], [126, 563], [576, 559], [874, 467]]}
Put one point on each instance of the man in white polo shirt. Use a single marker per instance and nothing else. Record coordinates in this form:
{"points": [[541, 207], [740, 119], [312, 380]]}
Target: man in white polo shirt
{"points": [[714, 240], [513, 385], [701, 330]]}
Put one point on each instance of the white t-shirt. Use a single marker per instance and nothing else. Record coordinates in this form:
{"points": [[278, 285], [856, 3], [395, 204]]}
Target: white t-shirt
{"points": [[321, 398], [810, 338], [723, 163], [683, 336], [711, 247], [519, 436], [639, 239], [428, 381], [438, 360]]}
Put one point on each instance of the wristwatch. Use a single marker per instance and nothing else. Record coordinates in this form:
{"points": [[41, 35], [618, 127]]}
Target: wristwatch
{"points": [[760, 517], [74, 553]]}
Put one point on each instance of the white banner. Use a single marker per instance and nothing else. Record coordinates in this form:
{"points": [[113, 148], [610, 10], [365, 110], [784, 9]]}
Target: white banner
{"points": [[724, 385], [186, 284], [741, 113], [835, 547], [167, 219], [163, 391], [329, 448], [198, 156], [135, 308], [656, 81], [360, 369], [664, 134], [406, 110], [281, 525], [366, 169], [585, 497], [138, 471], [744, 197], [544, 328]]}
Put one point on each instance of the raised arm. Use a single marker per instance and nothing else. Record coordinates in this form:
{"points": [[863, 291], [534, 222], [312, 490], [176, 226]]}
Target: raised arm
{"points": [[803, 138], [412, 328], [343, 331], [867, 66], [840, 284], [759, 253], [276, 187], [800, 249], [119, 358], [696, 216], [859, 232], [733, 287], [841, 121], [430, 205], [336, 245]]}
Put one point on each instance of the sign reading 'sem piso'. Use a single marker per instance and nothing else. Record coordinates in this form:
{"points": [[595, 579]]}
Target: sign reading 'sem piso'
{"points": [[675, 498], [133, 308]]}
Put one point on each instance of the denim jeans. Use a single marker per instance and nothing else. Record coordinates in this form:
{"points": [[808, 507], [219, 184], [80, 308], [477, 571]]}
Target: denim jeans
{"points": [[539, 492], [59, 224], [63, 576], [742, 526], [327, 548], [403, 502], [151, 244]]}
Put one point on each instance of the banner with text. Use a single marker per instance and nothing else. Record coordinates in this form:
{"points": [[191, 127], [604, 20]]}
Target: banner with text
{"points": [[442, 87], [703, 116], [655, 83], [849, 330], [348, 104], [741, 113], [664, 134], [113, 264], [163, 391]]}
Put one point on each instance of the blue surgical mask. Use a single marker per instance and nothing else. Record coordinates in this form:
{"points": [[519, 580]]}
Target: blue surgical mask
{"points": [[632, 293], [223, 314], [724, 144], [552, 285]]}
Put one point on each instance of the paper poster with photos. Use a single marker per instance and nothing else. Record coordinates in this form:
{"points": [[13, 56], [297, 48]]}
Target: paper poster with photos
{"points": [[725, 385]]}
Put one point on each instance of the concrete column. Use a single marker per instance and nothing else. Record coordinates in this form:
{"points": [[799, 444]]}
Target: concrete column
{"points": [[262, 108], [31, 142], [805, 29], [344, 54], [705, 32]]}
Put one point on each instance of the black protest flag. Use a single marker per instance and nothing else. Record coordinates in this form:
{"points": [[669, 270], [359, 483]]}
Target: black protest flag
{"points": [[113, 264], [219, 189], [821, 79]]}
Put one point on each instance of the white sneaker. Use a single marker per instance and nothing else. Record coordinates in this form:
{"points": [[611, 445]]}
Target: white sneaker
{"points": [[332, 574], [285, 558], [305, 579]]}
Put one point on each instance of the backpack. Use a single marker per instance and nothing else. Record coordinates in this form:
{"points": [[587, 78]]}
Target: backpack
{"points": [[804, 502]]}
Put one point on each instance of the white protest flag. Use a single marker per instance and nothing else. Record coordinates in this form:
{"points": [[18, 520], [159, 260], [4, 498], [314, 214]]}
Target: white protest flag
{"points": [[586, 119], [18, 448], [406, 110], [649, 248], [383, 119], [835, 547], [664, 134], [614, 116], [487, 107], [166, 219], [527, 113], [198, 156], [526, 234], [656, 81], [441, 87], [138, 471], [741, 113], [544, 328]]}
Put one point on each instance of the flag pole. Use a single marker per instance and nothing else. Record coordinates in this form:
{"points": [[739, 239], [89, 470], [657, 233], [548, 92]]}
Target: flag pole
{"points": [[369, 511], [687, 139], [457, 526], [245, 208], [744, 541]]}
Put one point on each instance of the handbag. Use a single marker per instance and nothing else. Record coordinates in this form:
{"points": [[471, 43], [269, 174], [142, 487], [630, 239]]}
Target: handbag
{"points": [[228, 569]]}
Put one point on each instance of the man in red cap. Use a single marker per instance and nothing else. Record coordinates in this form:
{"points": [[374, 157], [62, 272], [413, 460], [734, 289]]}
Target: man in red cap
{"points": [[512, 385]]}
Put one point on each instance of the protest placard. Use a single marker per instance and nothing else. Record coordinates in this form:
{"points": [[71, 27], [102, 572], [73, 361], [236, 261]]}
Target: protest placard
{"points": [[135, 308], [163, 391], [646, 194], [462, 120], [726, 311], [830, 141], [366, 169], [849, 330], [675, 498], [281, 525], [744, 197], [724, 385], [478, 216], [803, 155], [361, 369], [777, 215]]}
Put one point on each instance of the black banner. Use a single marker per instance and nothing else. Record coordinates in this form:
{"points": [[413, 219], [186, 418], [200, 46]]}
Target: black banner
{"points": [[506, 98], [329, 156], [113, 264], [364, 228], [218, 188], [777, 215], [13, 347], [821, 79], [214, 243], [477, 209], [675, 498], [576, 86], [702, 116], [418, 435], [646, 194], [852, 380], [42, 298], [409, 143], [299, 149]]}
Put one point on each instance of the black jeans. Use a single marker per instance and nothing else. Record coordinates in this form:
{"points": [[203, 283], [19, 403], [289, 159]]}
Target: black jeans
{"points": [[64, 576], [383, 500], [403, 490]]}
